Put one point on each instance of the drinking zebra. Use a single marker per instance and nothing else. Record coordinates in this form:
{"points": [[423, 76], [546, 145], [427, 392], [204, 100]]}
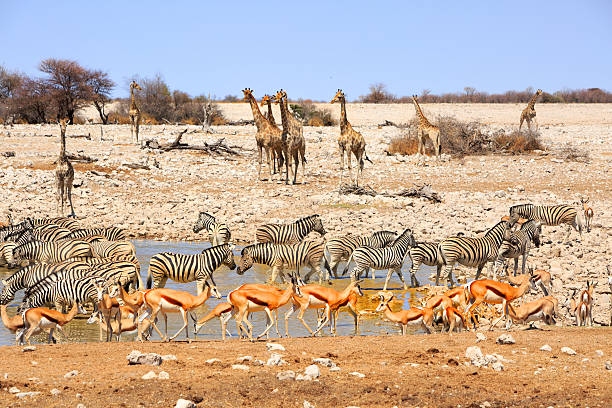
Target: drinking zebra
{"points": [[51, 252], [64, 293], [424, 253], [110, 233], [218, 233], [290, 233], [187, 268], [517, 243], [391, 258]]}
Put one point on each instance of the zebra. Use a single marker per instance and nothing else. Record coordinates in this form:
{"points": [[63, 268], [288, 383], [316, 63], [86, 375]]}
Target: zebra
{"points": [[391, 258], [6, 254], [306, 253], [45, 233], [342, 248], [51, 252], [425, 253], [30, 275], [64, 293], [470, 251], [188, 268], [64, 222], [551, 215], [15, 228], [218, 233], [290, 233], [109, 249], [110, 233], [96, 261], [517, 243]]}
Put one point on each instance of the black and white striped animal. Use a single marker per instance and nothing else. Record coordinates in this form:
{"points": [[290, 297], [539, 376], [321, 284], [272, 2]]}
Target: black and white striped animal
{"points": [[218, 233], [188, 268], [110, 233], [290, 233], [6, 254], [51, 252], [340, 249], [109, 249], [551, 215], [391, 258], [64, 222], [473, 252], [277, 256], [518, 243], [64, 293], [45, 233], [425, 253]]}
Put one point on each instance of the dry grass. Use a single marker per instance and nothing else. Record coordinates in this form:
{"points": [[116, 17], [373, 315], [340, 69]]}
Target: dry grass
{"points": [[405, 145]]}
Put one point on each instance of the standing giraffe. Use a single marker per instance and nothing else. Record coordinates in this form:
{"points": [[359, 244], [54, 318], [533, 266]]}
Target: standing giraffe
{"points": [[350, 141], [293, 128], [64, 174], [267, 100], [268, 137], [134, 111], [426, 129], [529, 112]]}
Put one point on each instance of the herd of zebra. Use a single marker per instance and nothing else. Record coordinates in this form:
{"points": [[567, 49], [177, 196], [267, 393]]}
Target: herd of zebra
{"points": [[73, 266]]}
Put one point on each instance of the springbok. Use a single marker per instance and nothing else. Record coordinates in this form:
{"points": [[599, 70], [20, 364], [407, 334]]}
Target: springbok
{"points": [[128, 324], [412, 316], [12, 323], [541, 278], [492, 292], [38, 319], [320, 297], [438, 303], [542, 309], [223, 311], [175, 301], [109, 309], [453, 319], [588, 214], [247, 300]]}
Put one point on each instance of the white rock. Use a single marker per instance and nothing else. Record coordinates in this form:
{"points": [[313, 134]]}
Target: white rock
{"points": [[357, 374], [275, 347], [480, 337], [313, 371], [163, 375], [183, 403], [71, 374], [568, 351], [275, 360], [244, 358], [608, 365], [485, 404], [136, 357], [308, 404], [212, 361], [169, 357], [326, 362], [240, 367], [286, 375], [497, 366], [81, 406], [27, 394], [149, 376], [14, 390], [490, 359], [28, 348], [474, 354], [505, 338], [599, 353], [546, 347], [302, 377], [55, 391], [336, 368]]}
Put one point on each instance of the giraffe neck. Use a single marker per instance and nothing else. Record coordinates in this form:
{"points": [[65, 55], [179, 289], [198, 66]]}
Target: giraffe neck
{"points": [[422, 118], [284, 118], [132, 99], [532, 101], [343, 118], [62, 143], [270, 116], [257, 116]]}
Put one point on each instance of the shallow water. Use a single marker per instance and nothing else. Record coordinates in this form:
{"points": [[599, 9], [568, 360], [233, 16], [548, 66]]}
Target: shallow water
{"points": [[226, 280]]}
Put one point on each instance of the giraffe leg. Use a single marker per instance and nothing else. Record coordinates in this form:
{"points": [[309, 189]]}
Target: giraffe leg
{"points": [[260, 150], [296, 160], [132, 125], [348, 157], [537, 125], [341, 164], [521, 124], [69, 194], [60, 196], [137, 126]]}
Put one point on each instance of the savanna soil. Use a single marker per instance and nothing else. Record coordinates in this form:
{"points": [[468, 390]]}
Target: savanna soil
{"points": [[417, 370]]}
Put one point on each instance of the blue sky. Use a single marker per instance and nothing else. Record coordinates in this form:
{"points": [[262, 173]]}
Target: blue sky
{"points": [[313, 48]]}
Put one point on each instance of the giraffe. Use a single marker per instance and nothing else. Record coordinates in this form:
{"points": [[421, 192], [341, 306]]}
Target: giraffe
{"points": [[424, 129], [268, 137], [267, 100], [529, 112], [64, 174], [293, 128], [134, 111], [350, 141]]}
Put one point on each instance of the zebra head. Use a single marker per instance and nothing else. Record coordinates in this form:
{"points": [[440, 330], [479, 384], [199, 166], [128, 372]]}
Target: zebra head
{"points": [[229, 257], [204, 221], [7, 295], [536, 234], [246, 260], [317, 224], [385, 298]]}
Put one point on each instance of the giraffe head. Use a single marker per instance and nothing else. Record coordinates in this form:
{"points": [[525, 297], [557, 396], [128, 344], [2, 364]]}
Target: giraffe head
{"points": [[279, 96], [339, 96], [63, 123], [539, 92], [415, 98], [265, 100], [134, 85], [248, 93]]}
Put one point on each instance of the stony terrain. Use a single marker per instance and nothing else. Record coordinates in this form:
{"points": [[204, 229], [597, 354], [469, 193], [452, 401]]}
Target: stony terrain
{"points": [[546, 368]]}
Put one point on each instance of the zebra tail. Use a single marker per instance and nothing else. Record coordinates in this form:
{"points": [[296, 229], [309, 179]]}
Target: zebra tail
{"points": [[326, 264], [346, 268], [149, 279]]}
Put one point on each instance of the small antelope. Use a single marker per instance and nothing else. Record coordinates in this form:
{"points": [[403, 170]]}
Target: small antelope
{"points": [[492, 292], [320, 297], [453, 319], [246, 300], [542, 309], [40, 318], [457, 295], [412, 316], [588, 214], [585, 305], [134, 301], [174, 301], [438, 304], [12, 323], [128, 324], [223, 311], [109, 309]]}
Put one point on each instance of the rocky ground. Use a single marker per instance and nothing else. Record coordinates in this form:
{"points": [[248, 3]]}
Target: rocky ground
{"points": [[542, 368]]}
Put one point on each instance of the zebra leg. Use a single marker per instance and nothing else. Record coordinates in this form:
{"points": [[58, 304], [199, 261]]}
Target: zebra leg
{"points": [[324, 321], [413, 269], [355, 273], [400, 274], [479, 271], [449, 274]]}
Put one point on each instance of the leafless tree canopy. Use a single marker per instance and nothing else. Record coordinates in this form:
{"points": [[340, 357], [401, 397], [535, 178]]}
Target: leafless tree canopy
{"points": [[101, 87], [378, 94]]}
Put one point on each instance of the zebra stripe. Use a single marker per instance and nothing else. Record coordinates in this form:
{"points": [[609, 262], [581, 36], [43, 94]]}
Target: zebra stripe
{"points": [[425, 253], [6, 254], [64, 293], [290, 233], [546, 214], [342, 248], [277, 256], [110, 233], [471, 251], [187, 268], [517, 243], [64, 222], [218, 233], [391, 258], [51, 252], [30, 275], [45, 233], [109, 249]]}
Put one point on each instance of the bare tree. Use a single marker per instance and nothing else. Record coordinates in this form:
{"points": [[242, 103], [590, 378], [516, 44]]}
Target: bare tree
{"points": [[32, 102], [378, 94], [9, 84], [101, 88]]}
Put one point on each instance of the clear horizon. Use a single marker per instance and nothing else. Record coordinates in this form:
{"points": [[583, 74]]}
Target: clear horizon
{"points": [[312, 50]]}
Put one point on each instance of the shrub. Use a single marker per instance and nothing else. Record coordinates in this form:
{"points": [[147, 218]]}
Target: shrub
{"points": [[306, 111], [405, 145], [378, 94]]}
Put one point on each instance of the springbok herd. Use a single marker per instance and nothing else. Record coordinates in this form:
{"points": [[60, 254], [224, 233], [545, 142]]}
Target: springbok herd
{"points": [[68, 267]]}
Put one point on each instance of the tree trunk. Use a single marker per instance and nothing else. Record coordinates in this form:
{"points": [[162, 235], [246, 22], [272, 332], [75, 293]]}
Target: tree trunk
{"points": [[103, 116]]}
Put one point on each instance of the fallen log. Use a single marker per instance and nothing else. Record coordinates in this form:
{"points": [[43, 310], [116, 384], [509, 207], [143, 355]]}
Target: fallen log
{"points": [[218, 147], [423, 191]]}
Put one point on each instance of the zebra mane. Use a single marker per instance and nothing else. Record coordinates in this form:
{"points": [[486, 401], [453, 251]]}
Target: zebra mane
{"points": [[495, 228], [308, 218], [520, 207], [401, 236]]}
